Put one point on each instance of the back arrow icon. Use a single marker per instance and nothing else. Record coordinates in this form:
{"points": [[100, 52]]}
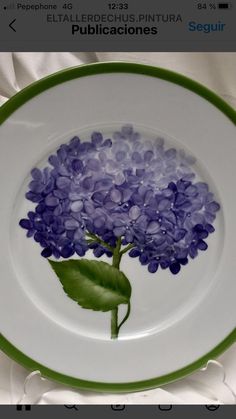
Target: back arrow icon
{"points": [[10, 25]]}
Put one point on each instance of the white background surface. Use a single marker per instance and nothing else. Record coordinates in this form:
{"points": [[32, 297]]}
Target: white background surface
{"points": [[217, 384]]}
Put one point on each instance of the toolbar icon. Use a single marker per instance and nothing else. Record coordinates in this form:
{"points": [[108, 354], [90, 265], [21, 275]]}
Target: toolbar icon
{"points": [[71, 406], [212, 407], [11, 25], [21, 407], [166, 407], [118, 407]]}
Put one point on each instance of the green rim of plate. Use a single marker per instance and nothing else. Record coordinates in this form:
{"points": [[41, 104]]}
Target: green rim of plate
{"points": [[88, 70]]}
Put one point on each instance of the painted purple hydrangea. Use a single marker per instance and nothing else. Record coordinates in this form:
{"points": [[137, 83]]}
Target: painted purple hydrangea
{"points": [[124, 194], [97, 191]]}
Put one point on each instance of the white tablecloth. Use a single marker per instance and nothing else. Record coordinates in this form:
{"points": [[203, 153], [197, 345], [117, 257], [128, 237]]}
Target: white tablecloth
{"points": [[217, 382]]}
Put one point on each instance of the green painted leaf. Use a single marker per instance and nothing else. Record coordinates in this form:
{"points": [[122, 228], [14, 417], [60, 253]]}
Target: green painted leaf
{"points": [[95, 285]]}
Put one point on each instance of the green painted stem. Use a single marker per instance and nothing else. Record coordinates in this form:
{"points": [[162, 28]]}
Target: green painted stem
{"points": [[126, 316], [95, 239], [114, 323], [114, 313]]}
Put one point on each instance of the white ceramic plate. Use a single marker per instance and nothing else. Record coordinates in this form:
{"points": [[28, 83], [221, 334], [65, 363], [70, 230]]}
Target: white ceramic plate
{"points": [[176, 322]]}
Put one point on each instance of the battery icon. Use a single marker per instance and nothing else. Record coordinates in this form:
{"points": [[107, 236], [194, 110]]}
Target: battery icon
{"points": [[224, 5]]}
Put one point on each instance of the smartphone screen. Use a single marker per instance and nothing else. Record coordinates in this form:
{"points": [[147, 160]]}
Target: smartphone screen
{"points": [[117, 168]]}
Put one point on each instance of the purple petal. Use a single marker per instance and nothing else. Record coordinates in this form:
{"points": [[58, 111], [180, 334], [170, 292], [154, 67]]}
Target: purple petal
{"points": [[171, 153], [119, 231], [213, 207], [75, 142], [37, 174], [153, 266], [153, 227], [51, 201], [67, 252], [180, 199], [79, 250], [76, 206], [46, 253], [40, 208], [62, 153], [77, 165], [36, 186], [202, 188], [127, 130], [109, 205], [88, 207], [134, 212], [53, 160], [209, 217], [63, 182], [120, 155], [25, 223], [202, 245], [148, 155], [197, 218], [136, 157], [88, 183], [175, 268], [103, 184], [126, 194], [97, 138], [93, 164], [193, 251], [209, 228], [115, 195], [164, 204], [143, 258], [134, 253], [71, 224], [34, 197], [165, 264], [99, 221], [107, 143], [119, 178], [191, 190], [179, 234]]}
